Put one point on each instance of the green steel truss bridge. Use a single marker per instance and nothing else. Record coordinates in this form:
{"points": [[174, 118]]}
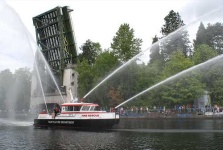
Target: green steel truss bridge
{"points": [[54, 36]]}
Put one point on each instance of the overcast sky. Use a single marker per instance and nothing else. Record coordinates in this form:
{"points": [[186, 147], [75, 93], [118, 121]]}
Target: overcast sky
{"points": [[97, 20]]}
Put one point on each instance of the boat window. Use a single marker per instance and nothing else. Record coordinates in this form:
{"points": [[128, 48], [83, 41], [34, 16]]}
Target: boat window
{"points": [[92, 108], [66, 108], [85, 108], [97, 108], [77, 108], [69, 108]]}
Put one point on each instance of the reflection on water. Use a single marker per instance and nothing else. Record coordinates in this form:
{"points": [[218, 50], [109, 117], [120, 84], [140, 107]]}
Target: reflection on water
{"points": [[129, 134], [177, 123]]}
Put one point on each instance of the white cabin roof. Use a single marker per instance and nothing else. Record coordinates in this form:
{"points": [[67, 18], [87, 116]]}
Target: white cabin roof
{"points": [[79, 104]]}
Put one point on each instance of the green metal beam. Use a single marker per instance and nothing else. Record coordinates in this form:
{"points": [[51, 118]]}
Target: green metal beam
{"points": [[55, 37]]}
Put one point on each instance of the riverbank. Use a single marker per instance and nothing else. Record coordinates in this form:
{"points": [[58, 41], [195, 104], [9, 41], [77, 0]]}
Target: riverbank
{"points": [[170, 115]]}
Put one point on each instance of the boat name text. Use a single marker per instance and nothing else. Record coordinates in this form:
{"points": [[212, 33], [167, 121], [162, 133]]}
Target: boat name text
{"points": [[61, 122], [90, 115]]}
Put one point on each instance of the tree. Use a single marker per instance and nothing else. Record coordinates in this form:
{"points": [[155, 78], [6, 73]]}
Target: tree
{"points": [[105, 62], [90, 51], [183, 90], [203, 53], [177, 41], [155, 51], [116, 96], [172, 22], [216, 91], [124, 45], [6, 84], [215, 36], [23, 88], [15, 89], [201, 36], [177, 63], [85, 78], [211, 36]]}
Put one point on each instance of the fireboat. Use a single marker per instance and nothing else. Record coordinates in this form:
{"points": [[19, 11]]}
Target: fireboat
{"points": [[76, 115]]}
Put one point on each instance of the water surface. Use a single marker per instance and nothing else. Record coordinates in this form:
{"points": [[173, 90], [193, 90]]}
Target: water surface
{"points": [[129, 134]]}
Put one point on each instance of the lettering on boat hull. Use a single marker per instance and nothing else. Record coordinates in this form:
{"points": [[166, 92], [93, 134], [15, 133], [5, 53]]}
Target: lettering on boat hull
{"points": [[88, 123]]}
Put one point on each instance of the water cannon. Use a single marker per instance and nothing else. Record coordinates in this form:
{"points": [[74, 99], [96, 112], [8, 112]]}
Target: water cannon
{"points": [[81, 99]]}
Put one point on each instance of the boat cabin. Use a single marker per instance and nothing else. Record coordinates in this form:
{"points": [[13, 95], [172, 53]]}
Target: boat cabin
{"points": [[68, 107]]}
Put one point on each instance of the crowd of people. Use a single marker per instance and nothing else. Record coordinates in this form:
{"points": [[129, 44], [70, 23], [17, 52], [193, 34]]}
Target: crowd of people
{"points": [[177, 109]]}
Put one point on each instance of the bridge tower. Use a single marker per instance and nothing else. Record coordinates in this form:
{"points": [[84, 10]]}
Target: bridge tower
{"points": [[55, 39]]}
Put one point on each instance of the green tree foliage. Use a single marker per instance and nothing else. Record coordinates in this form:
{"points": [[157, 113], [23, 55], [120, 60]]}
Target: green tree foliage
{"points": [[116, 96], [208, 44], [155, 39], [215, 36], [147, 75], [203, 53], [15, 89], [90, 51], [183, 90], [105, 62], [216, 91], [177, 63], [177, 41], [85, 78], [155, 54], [201, 36], [6, 81], [124, 44], [172, 22], [211, 36], [127, 80], [168, 57], [212, 76], [22, 93], [91, 74]]}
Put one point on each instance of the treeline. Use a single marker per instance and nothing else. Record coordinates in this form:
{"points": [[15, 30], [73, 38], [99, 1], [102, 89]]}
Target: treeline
{"points": [[15, 89], [169, 55]]}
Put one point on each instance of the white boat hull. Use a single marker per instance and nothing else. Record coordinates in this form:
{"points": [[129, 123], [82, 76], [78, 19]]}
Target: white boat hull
{"points": [[78, 120]]}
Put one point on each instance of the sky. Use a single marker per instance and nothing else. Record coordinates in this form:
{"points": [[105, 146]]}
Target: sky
{"points": [[97, 20]]}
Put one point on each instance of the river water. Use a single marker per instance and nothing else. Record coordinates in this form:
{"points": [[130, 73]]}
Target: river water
{"points": [[130, 134]]}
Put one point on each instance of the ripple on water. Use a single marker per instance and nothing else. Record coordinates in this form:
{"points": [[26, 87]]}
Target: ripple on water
{"points": [[13, 122]]}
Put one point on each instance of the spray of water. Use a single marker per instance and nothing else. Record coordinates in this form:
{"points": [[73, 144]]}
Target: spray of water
{"points": [[210, 61], [31, 40], [141, 53], [22, 40], [15, 53], [112, 74], [36, 67], [51, 74]]}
